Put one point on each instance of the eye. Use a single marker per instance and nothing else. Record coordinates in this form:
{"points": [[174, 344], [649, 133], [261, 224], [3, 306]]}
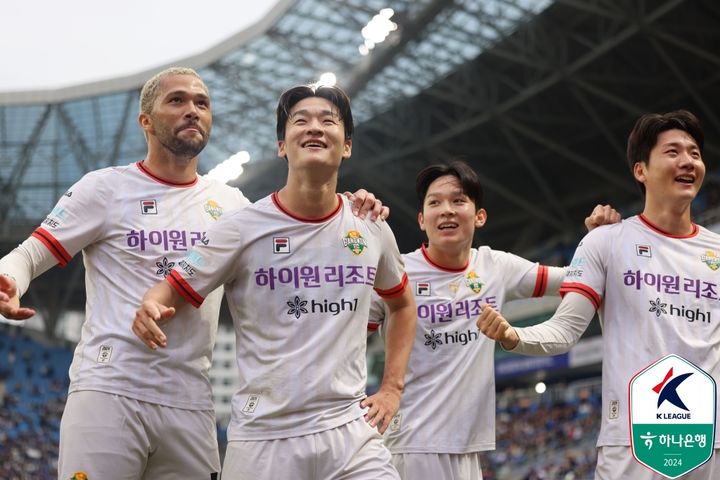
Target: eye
{"points": [[329, 121], [175, 99]]}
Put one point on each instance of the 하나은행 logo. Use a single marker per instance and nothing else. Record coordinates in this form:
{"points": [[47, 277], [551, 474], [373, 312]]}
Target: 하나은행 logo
{"points": [[672, 416]]}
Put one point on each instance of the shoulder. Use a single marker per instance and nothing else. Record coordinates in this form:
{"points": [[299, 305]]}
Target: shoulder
{"points": [[230, 195]]}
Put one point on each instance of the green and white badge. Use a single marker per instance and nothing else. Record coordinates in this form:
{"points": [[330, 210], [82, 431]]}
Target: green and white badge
{"points": [[672, 416]]}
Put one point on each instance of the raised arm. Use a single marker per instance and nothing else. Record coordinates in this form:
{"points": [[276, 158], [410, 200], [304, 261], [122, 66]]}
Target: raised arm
{"points": [[399, 334]]}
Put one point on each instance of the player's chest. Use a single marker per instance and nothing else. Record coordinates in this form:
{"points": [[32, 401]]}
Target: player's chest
{"points": [[454, 298], [154, 225], [324, 257]]}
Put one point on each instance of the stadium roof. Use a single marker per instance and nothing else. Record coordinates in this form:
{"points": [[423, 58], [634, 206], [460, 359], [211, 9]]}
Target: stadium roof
{"points": [[538, 96]]}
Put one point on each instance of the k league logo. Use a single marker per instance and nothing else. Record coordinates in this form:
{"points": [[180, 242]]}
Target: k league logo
{"points": [[672, 416]]}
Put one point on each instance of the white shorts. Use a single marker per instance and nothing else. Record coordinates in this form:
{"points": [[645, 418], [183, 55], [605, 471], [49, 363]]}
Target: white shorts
{"points": [[445, 466], [110, 436], [352, 451], [618, 462]]}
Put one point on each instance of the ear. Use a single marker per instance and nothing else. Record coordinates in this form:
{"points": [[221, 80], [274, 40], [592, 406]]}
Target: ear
{"points": [[421, 221], [145, 123], [347, 149], [640, 172], [281, 148], [480, 218]]}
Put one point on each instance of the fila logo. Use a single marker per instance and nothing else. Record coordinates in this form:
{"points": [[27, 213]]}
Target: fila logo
{"points": [[643, 251], [148, 207], [422, 289], [281, 245]]}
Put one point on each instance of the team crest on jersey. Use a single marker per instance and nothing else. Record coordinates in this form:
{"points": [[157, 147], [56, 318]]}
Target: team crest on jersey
{"points": [[148, 207], [422, 289], [79, 476], [213, 209], [473, 282], [710, 259], [354, 242]]}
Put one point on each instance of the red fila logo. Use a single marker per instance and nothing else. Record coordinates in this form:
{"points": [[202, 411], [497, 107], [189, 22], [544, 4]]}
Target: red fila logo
{"points": [[281, 245], [643, 251], [148, 207], [422, 289]]}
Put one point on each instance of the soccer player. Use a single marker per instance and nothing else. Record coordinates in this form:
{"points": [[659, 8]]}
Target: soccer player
{"points": [[298, 271], [613, 273], [132, 413], [447, 413]]}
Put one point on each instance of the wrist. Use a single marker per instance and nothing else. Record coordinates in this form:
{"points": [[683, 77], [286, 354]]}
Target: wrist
{"points": [[511, 340]]}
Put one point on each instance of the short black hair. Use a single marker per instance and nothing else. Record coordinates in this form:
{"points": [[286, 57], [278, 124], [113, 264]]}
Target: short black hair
{"points": [[469, 180], [333, 94], [648, 127]]}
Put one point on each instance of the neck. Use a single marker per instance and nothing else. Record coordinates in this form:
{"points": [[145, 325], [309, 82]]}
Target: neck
{"points": [[309, 199], [453, 258], [675, 220], [169, 167]]}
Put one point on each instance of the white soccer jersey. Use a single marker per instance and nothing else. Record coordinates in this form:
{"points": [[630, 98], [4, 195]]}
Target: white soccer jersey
{"points": [[657, 294], [299, 292], [448, 404], [132, 229]]}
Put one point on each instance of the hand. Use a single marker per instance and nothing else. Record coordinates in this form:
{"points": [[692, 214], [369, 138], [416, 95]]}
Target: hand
{"points": [[10, 302], [602, 215], [364, 202], [382, 407], [147, 323], [494, 326]]}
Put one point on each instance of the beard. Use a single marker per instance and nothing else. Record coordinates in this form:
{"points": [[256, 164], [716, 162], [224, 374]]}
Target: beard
{"points": [[189, 148]]}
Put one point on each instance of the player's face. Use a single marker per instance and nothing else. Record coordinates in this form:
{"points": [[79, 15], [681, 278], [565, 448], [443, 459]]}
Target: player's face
{"points": [[449, 217], [675, 170], [314, 134], [181, 118]]}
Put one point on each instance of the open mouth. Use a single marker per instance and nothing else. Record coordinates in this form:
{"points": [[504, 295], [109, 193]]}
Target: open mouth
{"points": [[447, 225], [687, 179], [314, 144]]}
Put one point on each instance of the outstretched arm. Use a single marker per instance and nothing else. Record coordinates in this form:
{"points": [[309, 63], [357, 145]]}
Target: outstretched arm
{"points": [[29, 260], [10, 301], [400, 332], [554, 336], [158, 306]]}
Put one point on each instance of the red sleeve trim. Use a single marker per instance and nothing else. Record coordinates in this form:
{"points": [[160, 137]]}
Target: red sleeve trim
{"points": [[583, 290], [373, 327], [396, 290], [541, 281], [184, 289], [62, 255]]}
